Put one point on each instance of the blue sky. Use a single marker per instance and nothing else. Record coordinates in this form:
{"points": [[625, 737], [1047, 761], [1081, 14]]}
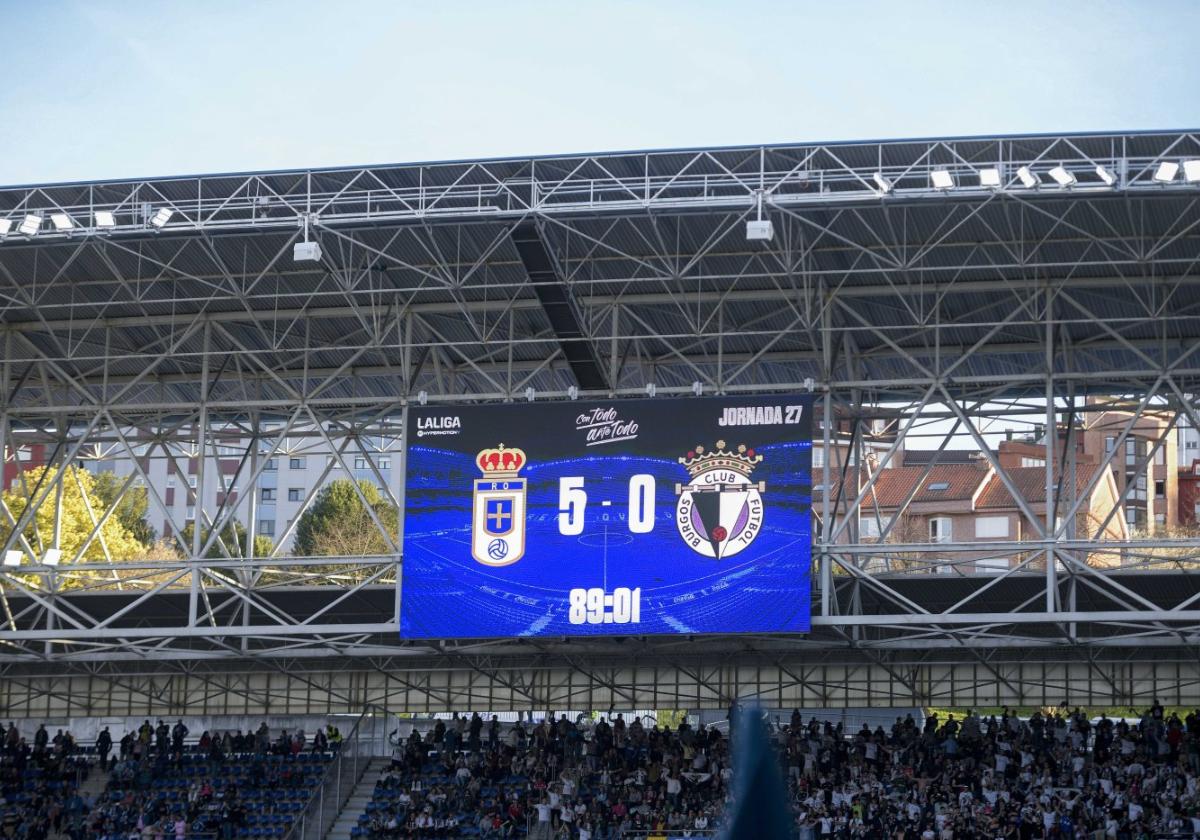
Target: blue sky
{"points": [[123, 89]]}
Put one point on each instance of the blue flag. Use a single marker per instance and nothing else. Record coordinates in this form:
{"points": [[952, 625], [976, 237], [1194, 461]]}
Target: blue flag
{"points": [[760, 808]]}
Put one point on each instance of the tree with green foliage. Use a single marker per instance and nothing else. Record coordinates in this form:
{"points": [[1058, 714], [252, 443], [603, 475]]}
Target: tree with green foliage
{"points": [[82, 507], [130, 510], [338, 524], [234, 538]]}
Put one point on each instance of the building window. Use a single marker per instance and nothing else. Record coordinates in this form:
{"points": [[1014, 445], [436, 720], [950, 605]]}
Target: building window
{"points": [[266, 527], [1160, 519], [268, 494], [870, 528], [332, 462], [192, 481], [295, 494], [360, 463], [818, 458], [1160, 489], [1109, 443], [938, 486], [991, 527], [296, 463], [272, 465], [191, 513], [171, 480], [385, 463], [940, 529], [1160, 455]]}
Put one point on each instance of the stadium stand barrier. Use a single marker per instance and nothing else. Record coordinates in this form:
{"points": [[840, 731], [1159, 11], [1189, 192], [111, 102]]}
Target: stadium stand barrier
{"points": [[350, 762]]}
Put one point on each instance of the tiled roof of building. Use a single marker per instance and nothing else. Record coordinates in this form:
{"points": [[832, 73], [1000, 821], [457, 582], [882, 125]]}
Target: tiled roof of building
{"points": [[1031, 484], [945, 483]]}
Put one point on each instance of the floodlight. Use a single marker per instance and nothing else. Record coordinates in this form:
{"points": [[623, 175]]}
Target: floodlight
{"points": [[759, 230], [5, 226], [30, 225], [651, 389], [1191, 171], [1028, 179], [53, 556], [163, 216], [530, 394], [885, 186], [989, 177], [306, 252], [1062, 176], [422, 397], [1106, 176], [573, 392], [1167, 170], [61, 221], [942, 179], [12, 558], [105, 218], [697, 388]]}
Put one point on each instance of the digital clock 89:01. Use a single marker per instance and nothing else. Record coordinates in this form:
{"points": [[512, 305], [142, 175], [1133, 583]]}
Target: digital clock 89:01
{"points": [[595, 606]]}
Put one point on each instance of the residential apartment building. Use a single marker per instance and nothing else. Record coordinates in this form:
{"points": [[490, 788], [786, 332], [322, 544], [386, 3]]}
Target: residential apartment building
{"points": [[287, 481]]}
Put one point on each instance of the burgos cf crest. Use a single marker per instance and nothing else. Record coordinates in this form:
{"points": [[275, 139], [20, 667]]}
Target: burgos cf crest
{"points": [[498, 515], [720, 511]]}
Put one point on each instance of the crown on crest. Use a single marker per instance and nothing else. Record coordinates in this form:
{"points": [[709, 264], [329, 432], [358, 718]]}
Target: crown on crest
{"points": [[742, 461], [500, 462]]}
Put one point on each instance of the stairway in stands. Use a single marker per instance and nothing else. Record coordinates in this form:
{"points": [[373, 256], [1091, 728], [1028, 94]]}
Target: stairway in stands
{"points": [[347, 818]]}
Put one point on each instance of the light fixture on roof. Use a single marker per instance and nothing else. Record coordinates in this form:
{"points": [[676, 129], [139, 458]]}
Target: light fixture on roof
{"points": [[989, 177], [53, 556], [1062, 177], [30, 225], [306, 251], [573, 392], [760, 229], [1166, 172], [5, 226], [942, 179], [530, 394], [1191, 171], [105, 219], [1106, 176], [651, 389], [1027, 178], [160, 218], [12, 558], [61, 221], [885, 186]]}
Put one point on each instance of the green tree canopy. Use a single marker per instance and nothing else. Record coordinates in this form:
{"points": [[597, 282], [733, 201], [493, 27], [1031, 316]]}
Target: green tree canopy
{"points": [[82, 507], [131, 509], [337, 524], [233, 536]]}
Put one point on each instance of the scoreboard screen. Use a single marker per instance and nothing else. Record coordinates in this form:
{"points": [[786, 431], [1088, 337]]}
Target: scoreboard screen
{"points": [[615, 518]]}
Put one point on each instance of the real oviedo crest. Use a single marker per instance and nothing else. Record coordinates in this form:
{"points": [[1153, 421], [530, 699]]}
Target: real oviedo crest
{"points": [[720, 511], [498, 513]]}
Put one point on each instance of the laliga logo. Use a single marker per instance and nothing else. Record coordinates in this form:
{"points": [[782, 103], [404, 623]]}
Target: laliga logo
{"points": [[498, 512], [720, 511]]}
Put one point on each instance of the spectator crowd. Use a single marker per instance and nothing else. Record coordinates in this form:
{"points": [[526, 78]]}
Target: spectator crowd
{"points": [[1054, 776], [1060, 775], [160, 786]]}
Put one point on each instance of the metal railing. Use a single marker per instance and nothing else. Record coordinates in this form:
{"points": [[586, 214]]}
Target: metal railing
{"points": [[343, 774]]}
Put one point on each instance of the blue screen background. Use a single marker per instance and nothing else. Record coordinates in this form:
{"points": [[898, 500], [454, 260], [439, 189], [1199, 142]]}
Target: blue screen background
{"points": [[447, 594]]}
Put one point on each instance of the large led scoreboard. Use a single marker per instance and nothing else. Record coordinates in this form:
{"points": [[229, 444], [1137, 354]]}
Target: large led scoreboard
{"points": [[614, 518]]}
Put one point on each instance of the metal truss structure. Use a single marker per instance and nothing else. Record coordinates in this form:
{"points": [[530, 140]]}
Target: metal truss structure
{"points": [[939, 306]]}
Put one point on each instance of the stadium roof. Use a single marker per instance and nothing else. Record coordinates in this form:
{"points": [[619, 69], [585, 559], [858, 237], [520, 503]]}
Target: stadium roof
{"points": [[649, 254]]}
